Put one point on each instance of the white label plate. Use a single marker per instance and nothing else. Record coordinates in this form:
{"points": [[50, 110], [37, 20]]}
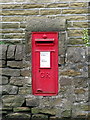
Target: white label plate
{"points": [[44, 59]]}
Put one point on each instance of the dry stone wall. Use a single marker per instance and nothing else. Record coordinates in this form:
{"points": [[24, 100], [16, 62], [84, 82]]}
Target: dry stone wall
{"points": [[18, 18]]}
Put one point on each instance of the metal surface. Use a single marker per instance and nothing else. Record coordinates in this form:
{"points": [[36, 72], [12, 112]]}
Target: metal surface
{"points": [[45, 63]]}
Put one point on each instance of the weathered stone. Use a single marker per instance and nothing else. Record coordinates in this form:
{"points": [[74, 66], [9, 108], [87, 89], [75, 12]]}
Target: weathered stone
{"points": [[50, 11], [21, 109], [9, 89], [79, 91], [9, 25], [39, 117], [78, 4], [72, 33], [11, 52], [75, 54], [10, 72], [89, 71], [3, 49], [75, 41], [5, 80], [80, 24], [25, 90], [12, 100], [11, 6], [32, 102], [65, 81], [19, 52], [2, 63], [66, 113], [45, 24], [15, 64], [28, 6], [48, 111], [25, 72], [70, 73], [20, 81], [80, 82], [74, 11], [55, 5], [18, 115], [13, 36], [19, 12]]}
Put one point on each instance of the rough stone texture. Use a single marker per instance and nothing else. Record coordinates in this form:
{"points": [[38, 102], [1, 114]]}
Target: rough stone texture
{"points": [[15, 64], [9, 89], [3, 49], [4, 80], [11, 52], [32, 102], [10, 72], [69, 18], [45, 24], [20, 81], [75, 54], [12, 100], [19, 53]]}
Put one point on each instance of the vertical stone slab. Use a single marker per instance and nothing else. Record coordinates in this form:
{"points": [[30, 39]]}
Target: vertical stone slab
{"points": [[19, 52], [11, 52]]}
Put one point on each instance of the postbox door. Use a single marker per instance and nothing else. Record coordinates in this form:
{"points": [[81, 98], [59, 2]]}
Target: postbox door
{"points": [[45, 74]]}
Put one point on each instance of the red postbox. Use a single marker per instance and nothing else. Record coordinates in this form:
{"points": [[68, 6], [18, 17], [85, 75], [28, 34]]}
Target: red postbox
{"points": [[45, 63]]}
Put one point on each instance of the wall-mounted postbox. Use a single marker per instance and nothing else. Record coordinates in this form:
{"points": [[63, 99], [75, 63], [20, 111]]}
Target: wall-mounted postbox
{"points": [[45, 63]]}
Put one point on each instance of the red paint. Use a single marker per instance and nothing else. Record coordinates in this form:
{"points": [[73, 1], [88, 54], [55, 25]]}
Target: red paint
{"points": [[45, 63]]}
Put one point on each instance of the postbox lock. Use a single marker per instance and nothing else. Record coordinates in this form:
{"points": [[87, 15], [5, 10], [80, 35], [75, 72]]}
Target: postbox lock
{"points": [[44, 36]]}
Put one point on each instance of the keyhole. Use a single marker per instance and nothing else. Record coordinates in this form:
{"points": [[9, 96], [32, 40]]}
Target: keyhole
{"points": [[39, 70]]}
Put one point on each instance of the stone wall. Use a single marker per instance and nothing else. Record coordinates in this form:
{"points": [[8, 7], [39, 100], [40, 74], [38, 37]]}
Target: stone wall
{"points": [[19, 18]]}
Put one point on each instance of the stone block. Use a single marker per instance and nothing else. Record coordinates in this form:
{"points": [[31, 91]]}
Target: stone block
{"points": [[75, 54], [13, 19], [55, 5], [11, 6], [20, 81], [19, 52], [65, 81], [11, 52], [80, 82], [78, 4], [32, 102], [29, 6], [15, 64], [80, 24], [25, 72], [75, 41], [89, 71], [13, 100], [23, 116], [2, 63], [21, 109], [74, 11], [10, 72], [50, 11], [72, 33], [9, 25], [43, 23], [25, 90], [13, 36], [70, 72], [9, 89], [3, 50], [18, 12], [4, 80]]}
